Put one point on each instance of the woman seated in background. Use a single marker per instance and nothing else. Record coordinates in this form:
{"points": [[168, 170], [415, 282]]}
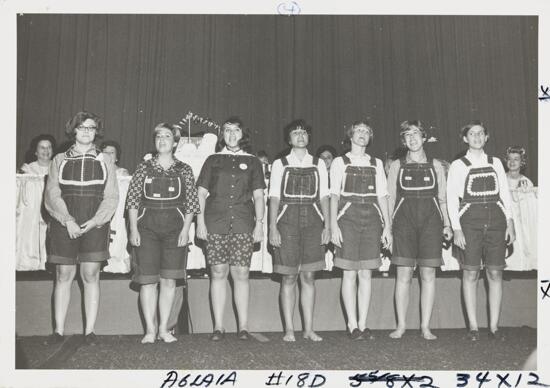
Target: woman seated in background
{"points": [[161, 202], [326, 153], [112, 149], [516, 160], [41, 150]]}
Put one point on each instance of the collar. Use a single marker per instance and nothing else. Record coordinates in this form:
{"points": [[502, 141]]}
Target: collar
{"points": [[225, 151], [363, 156], [474, 158], [72, 151], [422, 159]]}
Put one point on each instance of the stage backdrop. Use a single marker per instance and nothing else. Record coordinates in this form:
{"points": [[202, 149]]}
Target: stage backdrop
{"points": [[138, 70]]}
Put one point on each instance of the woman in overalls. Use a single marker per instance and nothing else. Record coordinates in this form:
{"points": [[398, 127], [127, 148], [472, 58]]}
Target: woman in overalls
{"points": [[299, 225], [81, 196], [231, 195], [417, 185], [161, 202], [479, 206], [359, 221]]}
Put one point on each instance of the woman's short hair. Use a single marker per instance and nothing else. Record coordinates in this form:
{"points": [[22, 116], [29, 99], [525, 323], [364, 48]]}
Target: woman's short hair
{"points": [[517, 150], [465, 129], [78, 119], [294, 125], [176, 131], [351, 128], [244, 143], [111, 143], [407, 125]]}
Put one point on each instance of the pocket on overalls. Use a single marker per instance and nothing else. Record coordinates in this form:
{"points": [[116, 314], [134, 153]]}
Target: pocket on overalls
{"points": [[318, 212], [397, 207], [379, 212], [438, 208], [281, 213], [343, 210], [182, 216], [140, 216]]}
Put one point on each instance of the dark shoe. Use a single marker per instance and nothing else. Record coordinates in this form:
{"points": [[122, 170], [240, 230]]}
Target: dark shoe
{"points": [[356, 335], [367, 334], [243, 335], [217, 335], [91, 339], [54, 339], [496, 335], [473, 335]]}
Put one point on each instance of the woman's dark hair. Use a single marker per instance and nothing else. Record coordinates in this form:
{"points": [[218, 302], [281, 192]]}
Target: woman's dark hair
{"points": [[349, 132], [465, 129], [244, 143], [78, 119], [296, 124], [326, 147], [112, 143], [30, 154]]}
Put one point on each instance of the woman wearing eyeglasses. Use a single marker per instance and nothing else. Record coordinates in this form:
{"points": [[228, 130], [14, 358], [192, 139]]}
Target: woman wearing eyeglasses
{"points": [[81, 195]]}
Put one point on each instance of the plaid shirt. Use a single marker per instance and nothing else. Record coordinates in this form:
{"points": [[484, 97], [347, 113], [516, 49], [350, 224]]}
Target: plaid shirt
{"points": [[190, 203]]}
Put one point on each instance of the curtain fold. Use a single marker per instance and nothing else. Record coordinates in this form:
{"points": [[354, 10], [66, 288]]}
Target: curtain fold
{"points": [[138, 70]]}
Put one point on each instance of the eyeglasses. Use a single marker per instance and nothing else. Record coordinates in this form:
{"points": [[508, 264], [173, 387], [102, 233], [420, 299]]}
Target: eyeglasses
{"points": [[86, 129]]}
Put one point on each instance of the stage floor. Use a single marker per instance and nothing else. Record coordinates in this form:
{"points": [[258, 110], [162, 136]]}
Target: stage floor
{"points": [[451, 351]]}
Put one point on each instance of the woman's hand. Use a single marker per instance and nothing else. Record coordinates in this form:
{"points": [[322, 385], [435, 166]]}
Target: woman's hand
{"points": [[510, 232], [258, 233], [183, 238], [87, 226], [459, 239], [135, 238], [387, 238], [447, 233], [201, 231], [73, 229], [336, 236], [274, 236]]}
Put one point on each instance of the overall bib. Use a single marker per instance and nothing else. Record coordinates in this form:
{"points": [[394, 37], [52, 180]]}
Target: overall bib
{"points": [[299, 221], [482, 218], [82, 181], [359, 218], [417, 218]]}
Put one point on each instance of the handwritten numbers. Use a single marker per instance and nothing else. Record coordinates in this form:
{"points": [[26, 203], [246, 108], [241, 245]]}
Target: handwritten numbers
{"points": [[545, 93], [535, 380], [305, 379], [545, 291], [288, 8]]}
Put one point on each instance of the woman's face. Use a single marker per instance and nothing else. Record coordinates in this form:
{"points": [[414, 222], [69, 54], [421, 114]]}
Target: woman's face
{"points": [[111, 152], [232, 134], [476, 137], [299, 138], [85, 132], [327, 157], [413, 139], [164, 141], [361, 135], [513, 162], [44, 151]]}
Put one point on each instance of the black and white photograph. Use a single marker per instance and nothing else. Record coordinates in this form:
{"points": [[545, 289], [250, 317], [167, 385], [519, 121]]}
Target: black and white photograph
{"points": [[284, 194]]}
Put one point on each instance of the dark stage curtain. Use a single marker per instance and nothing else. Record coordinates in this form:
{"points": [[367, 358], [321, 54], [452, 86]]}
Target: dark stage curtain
{"points": [[138, 70]]}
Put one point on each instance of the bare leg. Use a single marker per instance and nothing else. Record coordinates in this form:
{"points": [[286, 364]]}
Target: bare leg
{"points": [[349, 296], [365, 286], [148, 295], [469, 288], [494, 278], [241, 294], [89, 272], [427, 295], [402, 290], [307, 299], [176, 308], [166, 299], [64, 275], [288, 302], [218, 291]]}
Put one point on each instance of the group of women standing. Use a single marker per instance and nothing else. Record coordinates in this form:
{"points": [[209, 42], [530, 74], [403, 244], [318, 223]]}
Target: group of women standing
{"points": [[359, 212]]}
